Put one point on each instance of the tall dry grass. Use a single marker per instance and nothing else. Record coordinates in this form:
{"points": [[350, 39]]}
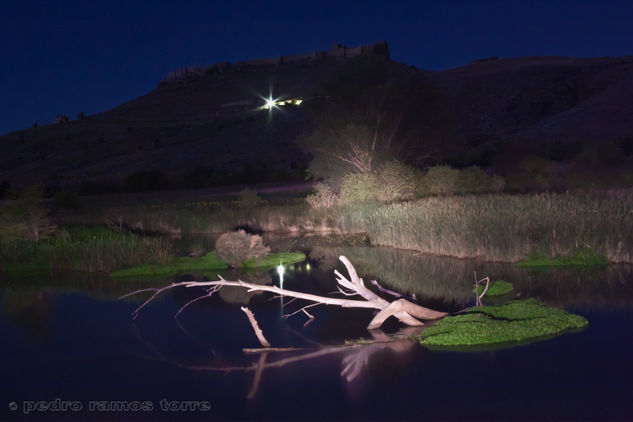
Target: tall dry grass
{"points": [[509, 227]]}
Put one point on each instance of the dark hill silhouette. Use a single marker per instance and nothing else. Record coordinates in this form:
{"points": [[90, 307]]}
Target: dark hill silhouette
{"points": [[211, 118]]}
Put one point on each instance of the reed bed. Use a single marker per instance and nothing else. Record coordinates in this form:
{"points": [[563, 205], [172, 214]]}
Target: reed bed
{"points": [[88, 249], [509, 227], [494, 227]]}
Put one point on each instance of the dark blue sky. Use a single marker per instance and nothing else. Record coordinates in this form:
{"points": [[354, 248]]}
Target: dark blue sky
{"points": [[70, 56]]}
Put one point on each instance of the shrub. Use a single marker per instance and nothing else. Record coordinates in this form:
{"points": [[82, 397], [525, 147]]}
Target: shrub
{"points": [[440, 180], [249, 198], [475, 180], [396, 181], [236, 247], [359, 187], [323, 196]]}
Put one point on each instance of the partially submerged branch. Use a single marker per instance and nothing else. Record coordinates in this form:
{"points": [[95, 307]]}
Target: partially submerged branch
{"points": [[407, 312], [258, 331], [479, 296]]}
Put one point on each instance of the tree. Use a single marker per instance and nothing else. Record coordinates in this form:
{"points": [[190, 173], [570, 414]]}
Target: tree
{"points": [[350, 117], [352, 147], [370, 112]]}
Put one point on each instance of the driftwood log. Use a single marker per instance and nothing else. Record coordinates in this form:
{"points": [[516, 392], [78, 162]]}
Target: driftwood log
{"points": [[407, 312]]}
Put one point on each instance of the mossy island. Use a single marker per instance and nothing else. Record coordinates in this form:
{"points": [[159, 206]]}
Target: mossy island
{"points": [[508, 325]]}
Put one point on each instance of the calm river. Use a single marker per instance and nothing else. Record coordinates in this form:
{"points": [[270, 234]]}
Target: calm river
{"points": [[71, 351]]}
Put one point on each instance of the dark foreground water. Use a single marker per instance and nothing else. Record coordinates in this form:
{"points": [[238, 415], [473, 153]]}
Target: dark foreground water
{"points": [[70, 351]]}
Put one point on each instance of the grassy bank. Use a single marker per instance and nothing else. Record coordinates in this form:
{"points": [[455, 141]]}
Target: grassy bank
{"points": [[207, 217], [88, 249]]}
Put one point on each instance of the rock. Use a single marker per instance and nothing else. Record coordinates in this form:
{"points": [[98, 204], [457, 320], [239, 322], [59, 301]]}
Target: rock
{"points": [[61, 119]]}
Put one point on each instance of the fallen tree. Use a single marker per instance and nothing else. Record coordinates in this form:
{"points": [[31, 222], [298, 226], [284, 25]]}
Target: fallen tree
{"points": [[407, 312]]}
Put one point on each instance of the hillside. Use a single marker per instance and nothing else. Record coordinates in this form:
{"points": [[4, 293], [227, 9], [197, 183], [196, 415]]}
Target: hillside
{"points": [[210, 120], [542, 98]]}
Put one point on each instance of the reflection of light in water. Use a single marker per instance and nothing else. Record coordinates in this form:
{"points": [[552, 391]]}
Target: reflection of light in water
{"points": [[280, 271]]}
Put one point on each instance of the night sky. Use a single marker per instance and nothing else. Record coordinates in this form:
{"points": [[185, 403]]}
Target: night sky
{"points": [[62, 57]]}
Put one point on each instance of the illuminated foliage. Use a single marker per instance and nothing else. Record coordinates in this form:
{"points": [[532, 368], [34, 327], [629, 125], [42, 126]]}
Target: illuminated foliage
{"points": [[359, 187], [236, 247], [397, 181], [323, 197], [440, 180]]}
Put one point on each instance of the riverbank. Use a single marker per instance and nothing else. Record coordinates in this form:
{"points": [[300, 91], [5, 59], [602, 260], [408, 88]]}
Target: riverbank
{"points": [[494, 227]]}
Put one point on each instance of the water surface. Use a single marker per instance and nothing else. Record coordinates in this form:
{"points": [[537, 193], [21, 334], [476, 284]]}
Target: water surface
{"points": [[69, 337]]}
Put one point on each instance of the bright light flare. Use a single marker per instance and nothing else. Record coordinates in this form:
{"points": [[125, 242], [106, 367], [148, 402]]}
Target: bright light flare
{"points": [[270, 103]]}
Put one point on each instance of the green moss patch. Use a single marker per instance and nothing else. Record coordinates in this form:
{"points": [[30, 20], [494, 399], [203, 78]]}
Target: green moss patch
{"points": [[180, 266], [209, 262], [585, 257], [515, 322], [497, 288]]}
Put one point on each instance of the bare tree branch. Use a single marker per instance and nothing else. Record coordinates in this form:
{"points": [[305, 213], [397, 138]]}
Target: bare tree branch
{"points": [[286, 316], [258, 331], [385, 290], [478, 296]]}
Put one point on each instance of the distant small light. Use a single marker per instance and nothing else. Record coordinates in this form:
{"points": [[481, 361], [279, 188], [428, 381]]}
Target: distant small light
{"points": [[281, 103], [270, 103], [297, 102], [308, 267]]}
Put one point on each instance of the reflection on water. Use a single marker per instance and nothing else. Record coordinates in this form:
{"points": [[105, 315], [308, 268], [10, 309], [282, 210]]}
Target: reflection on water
{"points": [[449, 281], [354, 357], [30, 310], [88, 347], [241, 296]]}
